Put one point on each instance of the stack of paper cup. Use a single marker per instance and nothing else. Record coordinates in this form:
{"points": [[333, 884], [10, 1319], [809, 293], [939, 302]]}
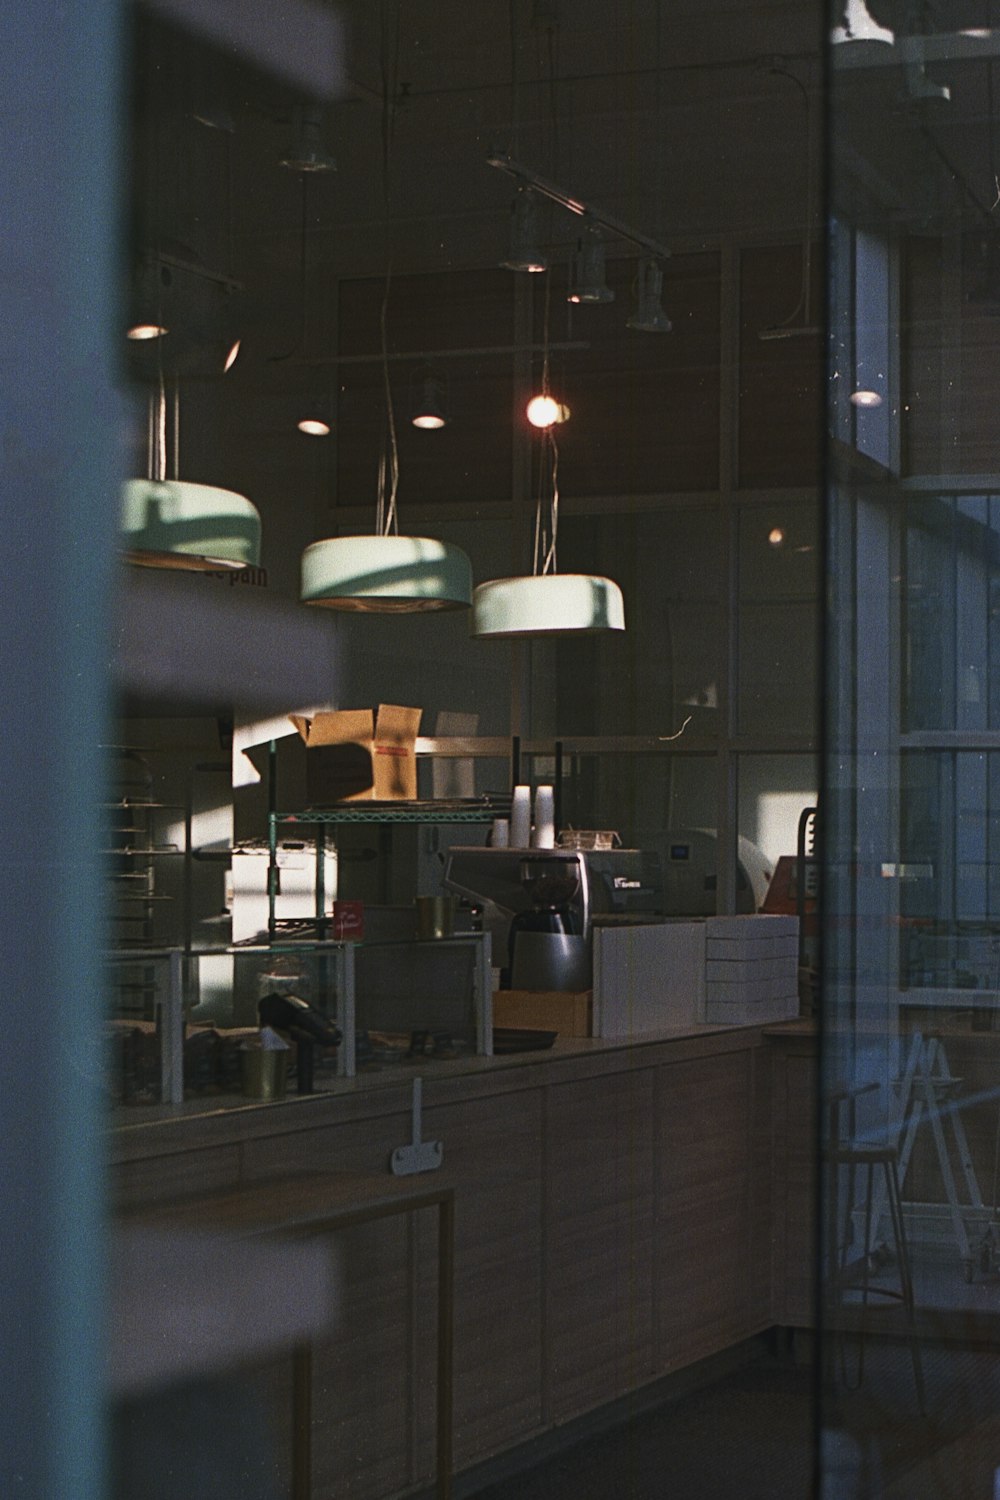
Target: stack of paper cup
{"points": [[520, 818], [544, 835]]}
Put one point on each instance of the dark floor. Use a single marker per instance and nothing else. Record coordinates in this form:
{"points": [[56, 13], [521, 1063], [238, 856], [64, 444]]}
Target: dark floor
{"points": [[752, 1434], [749, 1434]]}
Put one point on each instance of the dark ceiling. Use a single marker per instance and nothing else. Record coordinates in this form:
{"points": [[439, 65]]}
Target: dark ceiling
{"points": [[699, 123]]}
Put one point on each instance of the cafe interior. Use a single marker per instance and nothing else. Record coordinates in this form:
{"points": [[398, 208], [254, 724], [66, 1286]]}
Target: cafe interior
{"points": [[518, 779]]}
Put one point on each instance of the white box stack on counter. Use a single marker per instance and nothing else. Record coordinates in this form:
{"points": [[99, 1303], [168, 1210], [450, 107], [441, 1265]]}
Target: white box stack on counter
{"points": [[751, 969]]}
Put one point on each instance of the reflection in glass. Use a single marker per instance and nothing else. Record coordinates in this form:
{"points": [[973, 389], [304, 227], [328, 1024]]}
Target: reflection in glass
{"points": [[778, 620], [907, 1096]]}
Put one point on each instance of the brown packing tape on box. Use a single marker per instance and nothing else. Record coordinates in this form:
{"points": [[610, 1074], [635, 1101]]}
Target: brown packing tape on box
{"points": [[570, 1013], [361, 754]]}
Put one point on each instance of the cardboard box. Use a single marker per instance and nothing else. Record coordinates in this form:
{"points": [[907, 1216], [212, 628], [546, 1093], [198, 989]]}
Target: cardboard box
{"points": [[751, 1013], [758, 924], [739, 970], [565, 1011], [361, 754], [648, 977]]}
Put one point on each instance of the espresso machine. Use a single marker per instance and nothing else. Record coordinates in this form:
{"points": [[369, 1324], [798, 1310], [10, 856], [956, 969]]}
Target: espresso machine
{"points": [[542, 905]]}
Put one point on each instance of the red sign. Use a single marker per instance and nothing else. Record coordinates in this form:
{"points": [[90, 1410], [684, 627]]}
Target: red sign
{"points": [[349, 919]]}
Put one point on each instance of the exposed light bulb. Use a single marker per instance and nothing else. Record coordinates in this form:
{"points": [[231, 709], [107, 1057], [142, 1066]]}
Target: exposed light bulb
{"points": [[313, 427], [776, 536], [544, 411]]}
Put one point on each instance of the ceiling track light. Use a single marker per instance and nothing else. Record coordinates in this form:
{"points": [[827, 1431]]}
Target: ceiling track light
{"points": [[208, 103], [428, 401], [528, 179], [308, 152], [316, 414], [182, 317], [149, 291], [141, 332], [648, 316], [588, 281], [524, 253]]}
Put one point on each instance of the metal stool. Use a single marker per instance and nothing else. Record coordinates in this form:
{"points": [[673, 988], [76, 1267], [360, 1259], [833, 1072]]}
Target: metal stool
{"points": [[847, 1157]]}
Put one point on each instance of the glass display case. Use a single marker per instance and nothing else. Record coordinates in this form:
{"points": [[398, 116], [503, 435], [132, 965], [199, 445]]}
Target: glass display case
{"points": [[182, 1019]]}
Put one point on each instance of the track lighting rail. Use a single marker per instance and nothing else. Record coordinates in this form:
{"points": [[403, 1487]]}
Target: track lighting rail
{"points": [[194, 268], [441, 354], [530, 179]]}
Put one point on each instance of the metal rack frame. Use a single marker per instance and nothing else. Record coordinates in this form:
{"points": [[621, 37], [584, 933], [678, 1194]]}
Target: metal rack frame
{"points": [[353, 812]]}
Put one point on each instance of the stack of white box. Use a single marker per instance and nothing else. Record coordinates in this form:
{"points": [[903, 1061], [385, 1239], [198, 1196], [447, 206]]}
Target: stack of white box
{"points": [[751, 969]]}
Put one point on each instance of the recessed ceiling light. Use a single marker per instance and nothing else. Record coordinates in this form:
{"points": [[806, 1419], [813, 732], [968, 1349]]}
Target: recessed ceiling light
{"points": [[866, 398]]}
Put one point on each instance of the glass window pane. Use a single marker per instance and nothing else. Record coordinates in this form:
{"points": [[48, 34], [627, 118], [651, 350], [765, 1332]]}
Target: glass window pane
{"points": [[664, 668], [952, 611], [778, 619]]}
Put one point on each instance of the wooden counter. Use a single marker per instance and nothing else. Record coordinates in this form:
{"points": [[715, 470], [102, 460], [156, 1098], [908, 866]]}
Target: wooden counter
{"points": [[613, 1224]]}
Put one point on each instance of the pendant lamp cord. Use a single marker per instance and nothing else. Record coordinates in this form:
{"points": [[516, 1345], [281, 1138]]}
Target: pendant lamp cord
{"points": [[552, 447], [150, 434], [386, 519], [176, 445], [160, 461], [544, 555], [157, 431]]}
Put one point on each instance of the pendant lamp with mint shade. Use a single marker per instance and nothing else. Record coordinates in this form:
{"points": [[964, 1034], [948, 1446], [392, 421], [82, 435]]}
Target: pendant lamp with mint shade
{"points": [[384, 572], [546, 602], [174, 523]]}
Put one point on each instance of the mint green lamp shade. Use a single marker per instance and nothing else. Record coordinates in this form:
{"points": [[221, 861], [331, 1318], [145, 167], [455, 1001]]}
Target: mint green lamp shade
{"points": [[173, 524], [547, 604], [386, 574]]}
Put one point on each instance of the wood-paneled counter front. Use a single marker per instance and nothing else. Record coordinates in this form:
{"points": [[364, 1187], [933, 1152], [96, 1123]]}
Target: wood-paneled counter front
{"points": [[614, 1223]]}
